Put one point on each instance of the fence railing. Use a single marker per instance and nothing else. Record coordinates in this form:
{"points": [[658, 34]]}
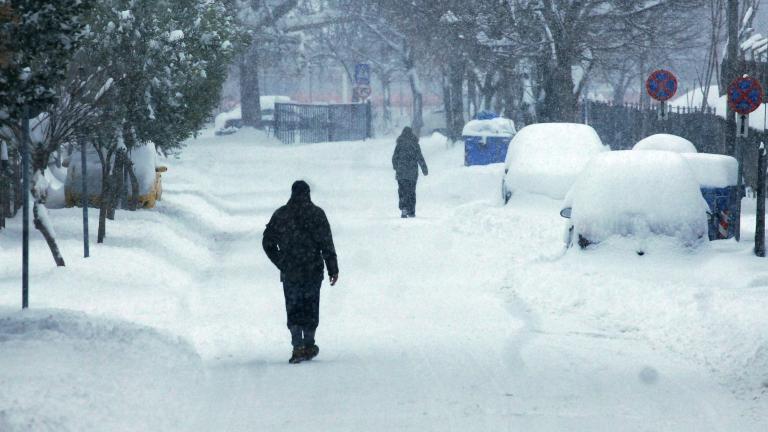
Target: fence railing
{"points": [[622, 126], [304, 123]]}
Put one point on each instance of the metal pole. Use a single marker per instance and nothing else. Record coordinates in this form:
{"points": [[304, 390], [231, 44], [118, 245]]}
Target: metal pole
{"points": [[760, 228], [84, 198], [25, 214], [739, 181]]}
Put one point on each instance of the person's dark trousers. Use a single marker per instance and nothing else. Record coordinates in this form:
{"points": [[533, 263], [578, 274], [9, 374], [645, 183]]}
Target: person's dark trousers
{"points": [[407, 192], [302, 305]]}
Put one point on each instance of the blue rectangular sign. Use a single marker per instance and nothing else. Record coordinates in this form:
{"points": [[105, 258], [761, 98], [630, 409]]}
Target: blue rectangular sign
{"points": [[362, 74]]}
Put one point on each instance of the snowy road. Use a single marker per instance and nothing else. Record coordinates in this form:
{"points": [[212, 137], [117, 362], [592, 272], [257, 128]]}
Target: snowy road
{"points": [[468, 318]]}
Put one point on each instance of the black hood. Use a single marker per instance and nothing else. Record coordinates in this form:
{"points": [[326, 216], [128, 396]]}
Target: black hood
{"points": [[300, 193]]}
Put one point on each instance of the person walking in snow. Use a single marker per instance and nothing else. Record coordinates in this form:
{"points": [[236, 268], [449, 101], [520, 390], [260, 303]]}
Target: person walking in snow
{"points": [[298, 240], [406, 162]]}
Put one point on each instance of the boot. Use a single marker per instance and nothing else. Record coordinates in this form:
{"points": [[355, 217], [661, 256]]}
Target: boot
{"points": [[299, 355], [403, 214], [311, 352]]}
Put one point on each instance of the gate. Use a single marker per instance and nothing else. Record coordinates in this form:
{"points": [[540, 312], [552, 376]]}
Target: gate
{"points": [[304, 123]]}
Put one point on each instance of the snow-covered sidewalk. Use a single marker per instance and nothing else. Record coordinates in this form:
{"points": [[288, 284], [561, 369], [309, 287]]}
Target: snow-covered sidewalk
{"points": [[467, 318]]}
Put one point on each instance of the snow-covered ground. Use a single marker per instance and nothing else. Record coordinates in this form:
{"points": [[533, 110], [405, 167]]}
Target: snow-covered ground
{"points": [[468, 318]]}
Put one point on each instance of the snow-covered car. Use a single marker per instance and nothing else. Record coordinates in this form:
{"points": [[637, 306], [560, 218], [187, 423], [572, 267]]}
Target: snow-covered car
{"points": [[546, 158], [231, 121], [635, 194], [666, 142], [148, 174]]}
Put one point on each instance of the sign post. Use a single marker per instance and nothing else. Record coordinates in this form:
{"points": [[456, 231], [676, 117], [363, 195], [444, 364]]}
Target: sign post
{"points": [[760, 224], [362, 82], [745, 95], [84, 197], [662, 86], [25, 213]]}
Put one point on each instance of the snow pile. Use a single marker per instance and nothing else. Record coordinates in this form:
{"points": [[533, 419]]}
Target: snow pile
{"points": [[638, 194], [546, 158], [267, 104], [666, 142], [713, 170], [63, 371], [220, 121], [494, 127]]}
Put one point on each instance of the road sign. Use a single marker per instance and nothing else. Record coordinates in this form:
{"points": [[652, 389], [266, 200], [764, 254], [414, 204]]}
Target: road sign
{"points": [[661, 85], [363, 92], [363, 74], [745, 95]]}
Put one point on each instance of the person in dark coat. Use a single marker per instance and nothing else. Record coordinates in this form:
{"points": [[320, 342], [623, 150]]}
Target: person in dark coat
{"points": [[298, 241], [406, 162]]}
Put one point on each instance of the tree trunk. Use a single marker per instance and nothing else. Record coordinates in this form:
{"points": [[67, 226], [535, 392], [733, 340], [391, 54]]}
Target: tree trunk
{"points": [[488, 90], [250, 93], [731, 71], [106, 186], [133, 202], [116, 184], [471, 98], [447, 106], [456, 81], [39, 212], [559, 100], [417, 122], [38, 209]]}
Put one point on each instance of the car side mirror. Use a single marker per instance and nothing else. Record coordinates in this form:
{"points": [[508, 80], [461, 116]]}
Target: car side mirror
{"points": [[566, 213]]}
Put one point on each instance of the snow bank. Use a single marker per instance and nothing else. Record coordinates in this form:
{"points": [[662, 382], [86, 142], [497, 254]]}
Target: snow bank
{"points": [[493, 127], [713, 170], [638, 194], [64, 371], [666, 142], [267, 103], [221, 120], [546, 158]]}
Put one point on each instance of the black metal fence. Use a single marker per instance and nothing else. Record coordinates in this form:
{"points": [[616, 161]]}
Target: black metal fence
{"points": [[621, 126], [303, 123]]}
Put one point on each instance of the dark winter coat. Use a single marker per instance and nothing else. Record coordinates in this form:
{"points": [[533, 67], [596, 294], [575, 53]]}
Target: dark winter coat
{"points": [[298, 240], [408, 158]]}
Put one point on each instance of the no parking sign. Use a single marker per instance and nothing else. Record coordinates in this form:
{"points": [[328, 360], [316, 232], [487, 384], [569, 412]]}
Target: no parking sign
{"points": [[662, 86], [745, 95]]}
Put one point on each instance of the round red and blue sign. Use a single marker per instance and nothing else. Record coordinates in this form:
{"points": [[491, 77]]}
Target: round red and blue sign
{"points": [[745, 95], [661, 85]]}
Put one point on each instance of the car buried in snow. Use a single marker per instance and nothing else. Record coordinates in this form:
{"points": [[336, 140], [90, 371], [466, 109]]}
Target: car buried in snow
{"points": [[546, 158], [638, 195]]}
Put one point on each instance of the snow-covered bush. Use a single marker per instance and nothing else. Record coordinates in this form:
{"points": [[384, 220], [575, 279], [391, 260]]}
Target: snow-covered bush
{"points": [[638, 194], [666, 142], [546, 158]]}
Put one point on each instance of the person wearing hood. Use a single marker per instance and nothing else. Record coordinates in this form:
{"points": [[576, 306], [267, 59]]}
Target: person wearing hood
{"points": [[406, 162], [298, 241]]}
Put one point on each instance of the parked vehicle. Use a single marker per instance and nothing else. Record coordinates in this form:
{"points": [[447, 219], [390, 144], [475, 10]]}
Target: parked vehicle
{"points": [[546, 158], [635, 194]]}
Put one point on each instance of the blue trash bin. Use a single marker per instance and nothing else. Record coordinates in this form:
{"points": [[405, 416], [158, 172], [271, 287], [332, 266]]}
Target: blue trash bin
{"points": [[717, 177], [486, 139], [724, 211]]}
